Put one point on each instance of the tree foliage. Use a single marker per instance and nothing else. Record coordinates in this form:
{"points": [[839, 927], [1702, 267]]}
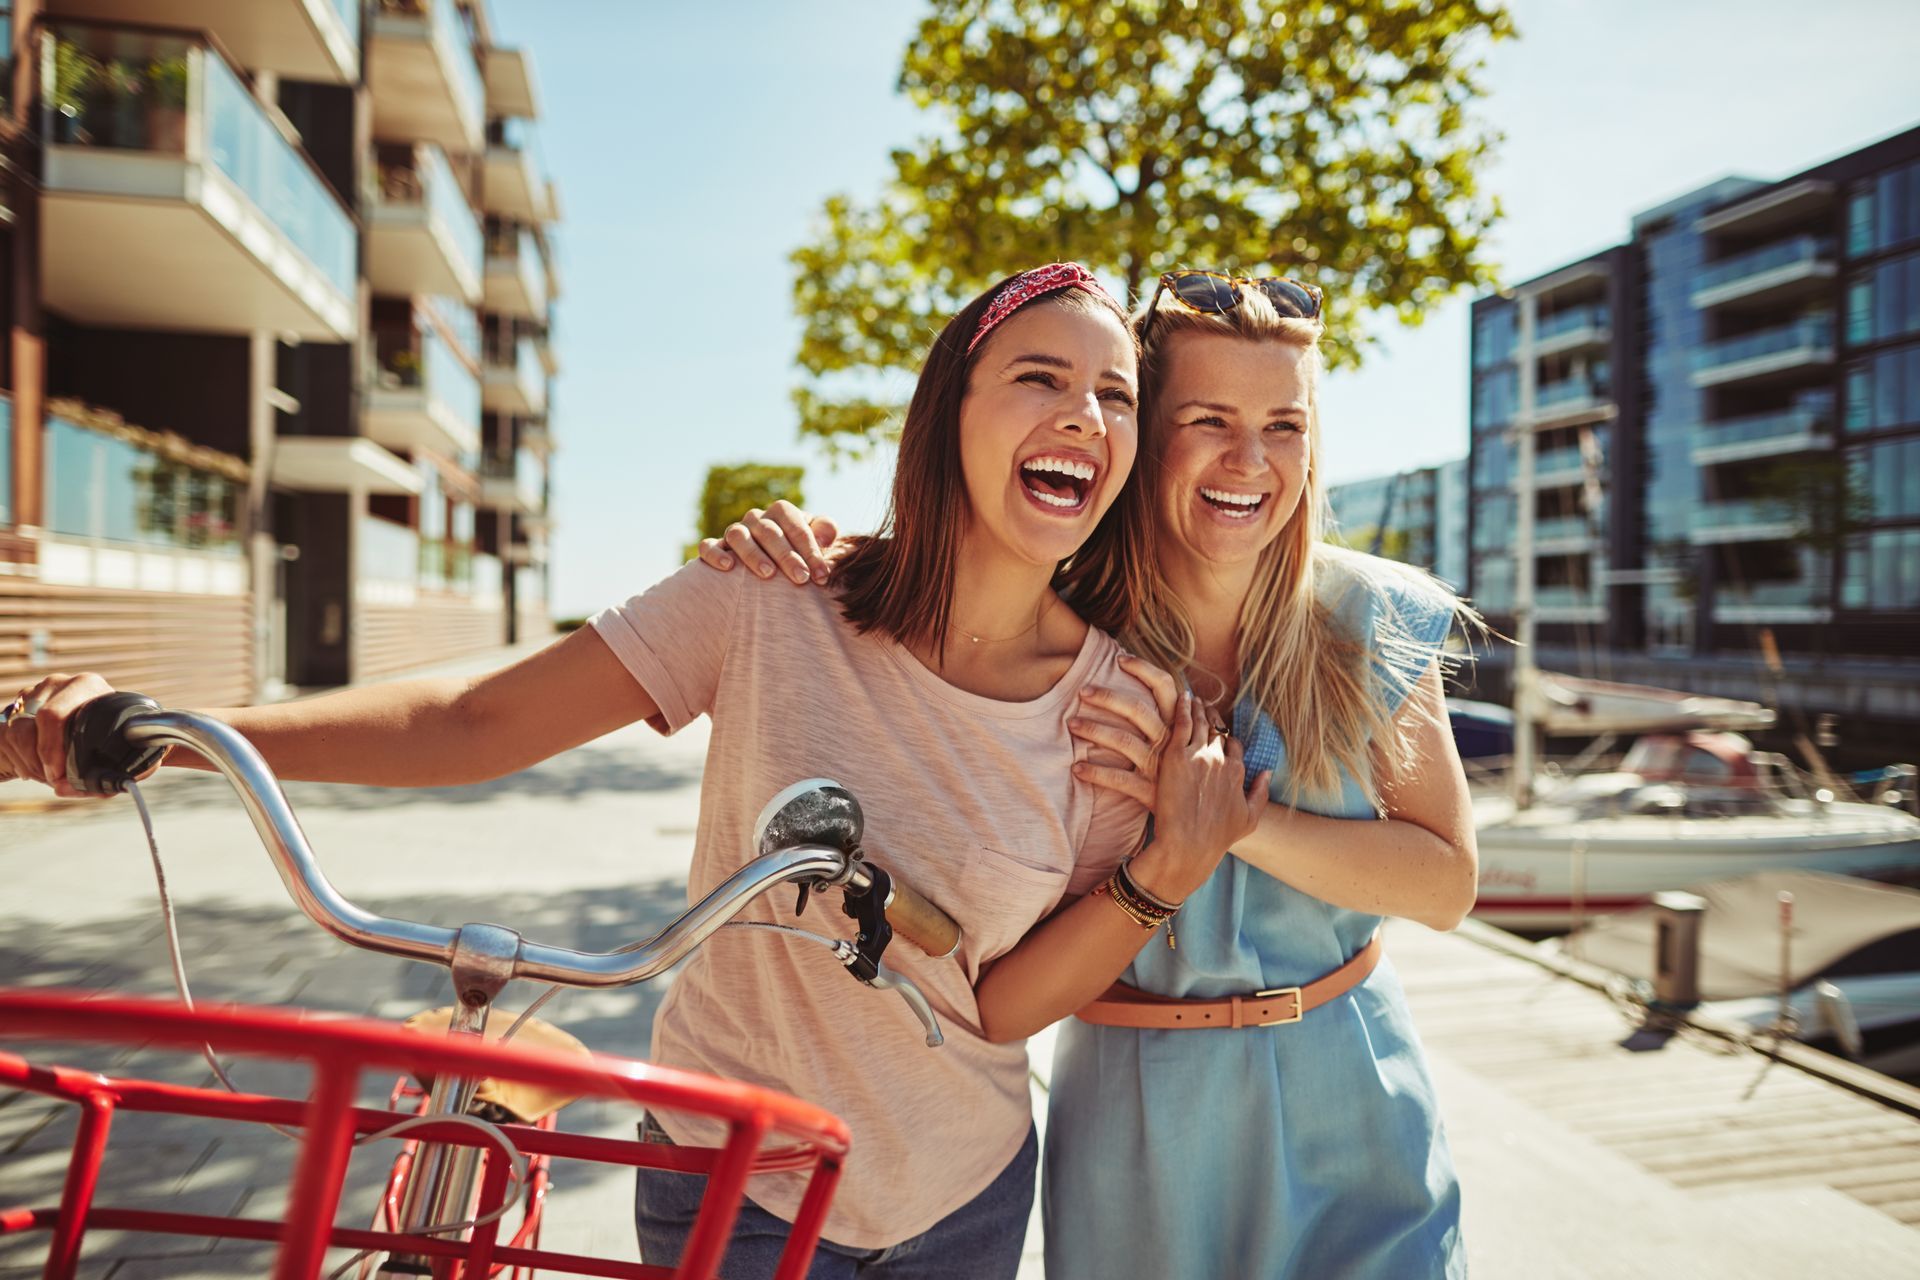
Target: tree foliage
{"points": [[731, 490], [1329, 139]]}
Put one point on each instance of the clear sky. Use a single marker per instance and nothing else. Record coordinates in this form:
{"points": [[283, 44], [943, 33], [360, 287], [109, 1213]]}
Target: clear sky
{"points": [[693, 144]]}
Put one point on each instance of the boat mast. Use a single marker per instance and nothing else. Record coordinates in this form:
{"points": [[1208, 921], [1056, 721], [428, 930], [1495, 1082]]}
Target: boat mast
{"points": [[1525, 739]]}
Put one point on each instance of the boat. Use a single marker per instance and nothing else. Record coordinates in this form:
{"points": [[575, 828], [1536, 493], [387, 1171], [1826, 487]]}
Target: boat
{"points": [[1852, 970], [1682, 808]]}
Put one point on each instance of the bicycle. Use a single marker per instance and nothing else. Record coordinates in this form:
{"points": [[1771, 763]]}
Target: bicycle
{"points": [[451, 1177]]}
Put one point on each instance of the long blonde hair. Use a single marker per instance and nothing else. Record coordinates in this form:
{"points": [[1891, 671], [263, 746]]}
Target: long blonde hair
{"points": [[1325, 686]]}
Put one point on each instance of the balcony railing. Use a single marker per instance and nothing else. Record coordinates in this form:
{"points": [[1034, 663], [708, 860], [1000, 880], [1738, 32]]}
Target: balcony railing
{"points": [[1759, 517], [117, 88], [429, 183], [386, 561], [1793, 594], [1812, 335], [1760, 435], [1562, 529], [423, 361], [1572, 320], [1799, 251], [445, 30], [6, 460], [1559, 597], [114, 487], [517, 283], [1559, 466]]}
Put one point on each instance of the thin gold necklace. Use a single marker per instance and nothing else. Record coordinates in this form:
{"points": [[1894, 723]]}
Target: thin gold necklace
{"points": [[1029, 629]]}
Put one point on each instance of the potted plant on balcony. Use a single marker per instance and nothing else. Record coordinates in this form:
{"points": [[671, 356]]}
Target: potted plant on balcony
{"points": [[75, 73], [167, 104]]}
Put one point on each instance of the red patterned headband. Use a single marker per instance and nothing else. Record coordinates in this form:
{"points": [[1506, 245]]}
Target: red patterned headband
{"points": [[1029, 285]]}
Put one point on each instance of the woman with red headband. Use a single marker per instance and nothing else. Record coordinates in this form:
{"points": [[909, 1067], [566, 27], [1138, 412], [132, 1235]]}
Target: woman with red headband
{"points": [[936, 679], [1252, 1099]]}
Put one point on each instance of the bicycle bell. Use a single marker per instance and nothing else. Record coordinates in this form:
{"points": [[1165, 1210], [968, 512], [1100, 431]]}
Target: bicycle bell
{"points": [[815, 811]]}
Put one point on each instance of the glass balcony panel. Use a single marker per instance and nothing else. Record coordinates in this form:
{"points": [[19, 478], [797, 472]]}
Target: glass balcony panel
{"points": [[449, 380], [1789, 594], [1553, 395], [1810, 332], [6, 460], [1737, 512], [1559, 597], [387, 553], [102, 488], [1786, 424], [244, 144], [1572, 320], [1800, 249], [1562, 529]]}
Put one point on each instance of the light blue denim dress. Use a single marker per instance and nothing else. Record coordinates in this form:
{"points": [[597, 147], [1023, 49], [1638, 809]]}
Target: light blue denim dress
{"points": [[1308, 1150]]}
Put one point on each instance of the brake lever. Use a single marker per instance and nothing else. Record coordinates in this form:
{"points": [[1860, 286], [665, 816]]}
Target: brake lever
{"points": [[888, 980], [884, 979]]}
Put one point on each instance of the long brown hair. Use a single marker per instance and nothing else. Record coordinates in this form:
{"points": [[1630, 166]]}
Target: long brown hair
{"points": [[1301, 660], [900, 581]]}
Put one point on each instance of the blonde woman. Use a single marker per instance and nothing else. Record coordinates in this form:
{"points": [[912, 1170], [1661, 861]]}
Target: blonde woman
{"points": [[1252, 1099]]}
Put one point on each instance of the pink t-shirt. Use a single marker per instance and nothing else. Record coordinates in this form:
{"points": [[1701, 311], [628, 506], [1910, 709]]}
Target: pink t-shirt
{"points": [[970, 800]]}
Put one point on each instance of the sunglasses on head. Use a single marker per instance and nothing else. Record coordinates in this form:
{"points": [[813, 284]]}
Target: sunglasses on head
{"points": [[1212, 293]]}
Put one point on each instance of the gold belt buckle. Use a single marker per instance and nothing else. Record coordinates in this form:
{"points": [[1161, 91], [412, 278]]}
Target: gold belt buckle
{"points": [[1298, 1002]]}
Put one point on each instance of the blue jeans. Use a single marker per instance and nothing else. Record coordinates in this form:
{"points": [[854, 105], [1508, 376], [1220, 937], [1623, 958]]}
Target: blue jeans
{"points": [[980, 1240]]}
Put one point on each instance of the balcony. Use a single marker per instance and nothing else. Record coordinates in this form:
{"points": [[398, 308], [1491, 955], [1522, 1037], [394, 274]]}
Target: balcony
{"points": [[537, 437], [422, 236], [423, 397], [1779, 272], [340, 464], [1771, 208], [1772, 602], [1563, 536], [511, 89], [1743, 520], [300, 39], [544, 348], [1805, 344], [515, 283], [1558, 468], [424, 80], [1570, 401], [512, 381], [512, 484], [172, 199], [1569, 604], [1806, 427], [1575, 329], [514, 184]]}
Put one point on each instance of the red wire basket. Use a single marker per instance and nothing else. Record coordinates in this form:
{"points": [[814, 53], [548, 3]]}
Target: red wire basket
{"points": [[339, 1051]]}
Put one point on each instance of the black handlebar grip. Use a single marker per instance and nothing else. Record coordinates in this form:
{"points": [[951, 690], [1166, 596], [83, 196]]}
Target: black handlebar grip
{"points": [[99, 760]]}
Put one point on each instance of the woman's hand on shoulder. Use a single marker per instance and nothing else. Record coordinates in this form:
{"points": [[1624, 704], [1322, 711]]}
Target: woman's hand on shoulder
{"points": [[33, 737], [780, 539], [1202, 806]]}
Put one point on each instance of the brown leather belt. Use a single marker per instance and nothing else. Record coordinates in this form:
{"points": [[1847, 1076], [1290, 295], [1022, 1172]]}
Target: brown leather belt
{"points": [[1125, 1006]]}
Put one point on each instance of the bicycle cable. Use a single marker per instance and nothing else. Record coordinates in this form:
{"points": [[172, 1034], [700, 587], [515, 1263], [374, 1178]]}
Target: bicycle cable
{"points": [[516, 1159]]}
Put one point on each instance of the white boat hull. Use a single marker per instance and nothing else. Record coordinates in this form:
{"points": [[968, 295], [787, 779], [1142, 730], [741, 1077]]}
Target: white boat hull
{"points": [[1541, 869]]}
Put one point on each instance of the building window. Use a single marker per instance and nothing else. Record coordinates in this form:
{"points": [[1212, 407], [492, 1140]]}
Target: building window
{"points": [[1860, 221], [1494, 397], [1884, 393], [1889, 474], [1882, 572], [1860, 310], [1889, 208], [1493, 337]]}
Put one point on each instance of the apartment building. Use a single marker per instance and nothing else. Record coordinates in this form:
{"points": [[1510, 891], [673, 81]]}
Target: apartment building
{"points": [[1724, 416], [274, 404], [1418, 516]]}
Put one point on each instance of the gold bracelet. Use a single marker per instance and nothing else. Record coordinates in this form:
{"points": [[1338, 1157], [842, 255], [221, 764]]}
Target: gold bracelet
{"points": [[1140, 894], [1141, 913]]}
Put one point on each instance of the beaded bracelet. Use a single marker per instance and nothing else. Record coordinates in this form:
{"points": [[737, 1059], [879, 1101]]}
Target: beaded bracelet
{"points": [[1146, 914], [1133, 887]]}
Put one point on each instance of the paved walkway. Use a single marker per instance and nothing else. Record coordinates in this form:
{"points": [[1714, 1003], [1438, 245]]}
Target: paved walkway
{"points": [[590, 850]]}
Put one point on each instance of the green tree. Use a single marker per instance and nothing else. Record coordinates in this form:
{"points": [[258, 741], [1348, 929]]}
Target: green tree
{"points": [[1333, 140], [732, 490]]}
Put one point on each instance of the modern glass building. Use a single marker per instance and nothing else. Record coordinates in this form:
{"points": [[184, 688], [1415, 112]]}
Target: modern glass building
{"points": [[1418, 516], [1725, 418], [273, 404]]}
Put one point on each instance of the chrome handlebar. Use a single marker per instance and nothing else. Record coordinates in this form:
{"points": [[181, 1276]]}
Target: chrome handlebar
{"points": [[279, 830]]}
